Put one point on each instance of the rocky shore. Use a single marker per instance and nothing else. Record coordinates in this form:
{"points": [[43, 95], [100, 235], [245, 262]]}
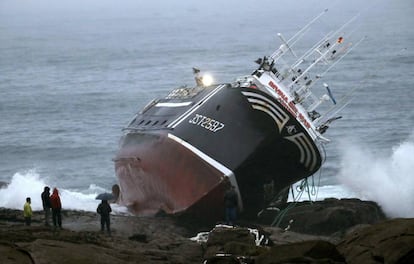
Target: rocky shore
{"points": [[329, 231]]}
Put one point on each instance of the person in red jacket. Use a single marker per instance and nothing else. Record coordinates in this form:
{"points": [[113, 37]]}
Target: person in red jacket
{"points": [[56, 208]]}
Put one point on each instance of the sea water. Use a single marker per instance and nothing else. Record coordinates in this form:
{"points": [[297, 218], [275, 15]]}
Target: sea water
{"points": [[73, 73]]}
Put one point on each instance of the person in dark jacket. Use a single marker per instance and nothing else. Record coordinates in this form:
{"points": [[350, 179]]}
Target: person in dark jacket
{"points": [[56, 208], [231, 202], [46, 204], [104, 210]]}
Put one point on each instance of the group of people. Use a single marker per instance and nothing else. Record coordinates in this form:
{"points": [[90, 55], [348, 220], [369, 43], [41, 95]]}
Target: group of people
{"points": [[49, 202], [53, 203]]}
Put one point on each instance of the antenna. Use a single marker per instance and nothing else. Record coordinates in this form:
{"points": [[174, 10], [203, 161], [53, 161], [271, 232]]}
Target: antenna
{"points": [[287, 44], [329, 93], [300, 32]]}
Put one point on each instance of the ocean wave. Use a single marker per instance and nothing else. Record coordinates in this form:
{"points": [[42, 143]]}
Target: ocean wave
{"points": [[30, 184], [385, 178]]}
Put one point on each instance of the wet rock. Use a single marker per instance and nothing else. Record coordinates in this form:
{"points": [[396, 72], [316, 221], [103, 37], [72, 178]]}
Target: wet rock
{"points": [[81, 241], [391, 241], [229, 241], [139, 237], [167, 240], [326, 217], [279, 236], [12, 254], [303, 252]]}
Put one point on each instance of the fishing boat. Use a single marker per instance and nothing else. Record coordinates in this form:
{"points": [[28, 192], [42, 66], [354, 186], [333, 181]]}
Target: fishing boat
{"points": [[179, 154]]}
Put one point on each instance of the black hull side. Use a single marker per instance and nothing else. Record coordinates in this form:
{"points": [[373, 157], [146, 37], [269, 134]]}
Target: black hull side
{"points": [[247, 132], [261, 142]]}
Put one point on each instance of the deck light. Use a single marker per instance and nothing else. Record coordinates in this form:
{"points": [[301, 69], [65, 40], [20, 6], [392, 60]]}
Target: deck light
{"points": [[207, 80]]}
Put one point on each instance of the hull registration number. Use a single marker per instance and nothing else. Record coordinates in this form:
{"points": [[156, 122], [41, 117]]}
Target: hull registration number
{"points": [[206, 123]]}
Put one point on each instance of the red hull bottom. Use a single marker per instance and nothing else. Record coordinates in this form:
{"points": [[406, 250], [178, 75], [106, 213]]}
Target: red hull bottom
{"points": [[158, 174]]}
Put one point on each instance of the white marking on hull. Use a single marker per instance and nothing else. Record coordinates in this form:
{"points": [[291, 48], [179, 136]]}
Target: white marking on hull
{"points": [[186, 114], [226, 172], [270, 108], [307, 152], [173, 104], [306, 149]]}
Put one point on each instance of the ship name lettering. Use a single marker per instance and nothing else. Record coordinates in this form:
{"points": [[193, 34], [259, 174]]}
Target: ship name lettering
{"points": [[289, 105], [278, 91], [303, 120], [293, 106], [206, 122]]}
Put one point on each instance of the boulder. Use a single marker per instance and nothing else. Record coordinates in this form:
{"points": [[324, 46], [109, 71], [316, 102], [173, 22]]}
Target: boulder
{"points": [[316, 251], [229, 242], [327, 217], [391, 241]]}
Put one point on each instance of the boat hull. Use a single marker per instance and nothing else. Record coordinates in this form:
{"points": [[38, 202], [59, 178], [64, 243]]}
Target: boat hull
{"points": [[184, 166], [158, 174]]}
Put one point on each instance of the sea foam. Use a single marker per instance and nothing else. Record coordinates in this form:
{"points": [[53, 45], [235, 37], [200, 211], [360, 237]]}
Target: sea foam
{"points": [[384, 178], [31, 184]]}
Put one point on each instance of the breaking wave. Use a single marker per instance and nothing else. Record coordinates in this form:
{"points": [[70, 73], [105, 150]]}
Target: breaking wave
{"points": [[31, 184], [387, 179]]}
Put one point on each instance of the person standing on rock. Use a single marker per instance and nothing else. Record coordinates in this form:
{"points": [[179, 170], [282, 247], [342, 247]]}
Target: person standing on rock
{"points": [[230, 202], [46, 204], [56, 208], [27, 211], [104, 209]]}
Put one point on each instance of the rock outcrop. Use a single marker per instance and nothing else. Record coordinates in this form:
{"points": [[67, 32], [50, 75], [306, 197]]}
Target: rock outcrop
{"points": [[390, 241], [325, 217], [336, 231]]}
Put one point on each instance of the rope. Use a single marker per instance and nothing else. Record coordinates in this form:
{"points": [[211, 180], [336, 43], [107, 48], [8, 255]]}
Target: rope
{"points": [[303, 186]]}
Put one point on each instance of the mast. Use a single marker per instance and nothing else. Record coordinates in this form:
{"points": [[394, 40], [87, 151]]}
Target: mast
{"points": [[297, 79], [287, 45]]}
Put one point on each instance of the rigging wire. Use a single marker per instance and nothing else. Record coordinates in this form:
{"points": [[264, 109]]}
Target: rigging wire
{"points": [[303, 186]]}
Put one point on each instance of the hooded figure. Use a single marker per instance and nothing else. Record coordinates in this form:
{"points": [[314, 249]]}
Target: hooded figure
{"points": [[104, 209], [46, 204], [56, 208]]}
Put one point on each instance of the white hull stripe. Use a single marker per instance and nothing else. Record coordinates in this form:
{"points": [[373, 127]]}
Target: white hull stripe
{"points": [[173, 104], [226, 172], [187, 113], [306, 149], [307, 152], [262, 103]]}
